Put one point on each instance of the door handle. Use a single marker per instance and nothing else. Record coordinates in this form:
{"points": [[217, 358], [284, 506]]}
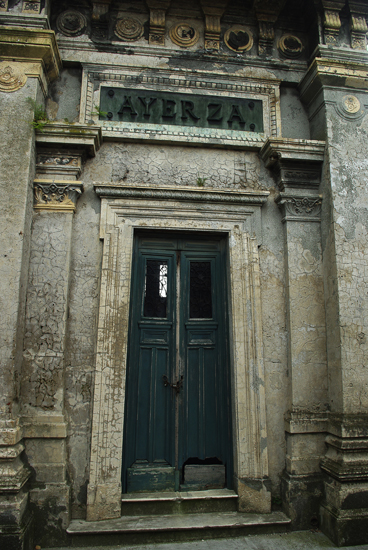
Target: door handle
{"points": [[176, 386]]}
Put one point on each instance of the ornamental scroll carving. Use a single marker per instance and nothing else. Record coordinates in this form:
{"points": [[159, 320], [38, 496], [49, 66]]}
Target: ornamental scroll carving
{"points": [[307, 208], [56, 195]]}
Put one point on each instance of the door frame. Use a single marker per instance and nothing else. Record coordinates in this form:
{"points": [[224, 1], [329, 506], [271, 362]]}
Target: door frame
{"points": [[237, 215]]}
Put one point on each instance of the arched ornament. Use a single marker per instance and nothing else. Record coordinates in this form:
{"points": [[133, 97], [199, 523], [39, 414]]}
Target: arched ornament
{"points": [[11, 78]]}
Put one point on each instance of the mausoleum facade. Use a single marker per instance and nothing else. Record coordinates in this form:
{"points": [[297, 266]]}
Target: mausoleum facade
{"points": [[184, 261]]}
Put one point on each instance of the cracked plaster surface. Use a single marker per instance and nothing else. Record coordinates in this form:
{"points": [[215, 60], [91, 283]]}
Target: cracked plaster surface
{"points": [[348, 340]]}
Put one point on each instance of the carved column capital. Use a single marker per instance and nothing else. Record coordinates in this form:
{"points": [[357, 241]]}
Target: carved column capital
{"points": [[56, 195], [299, 207]]}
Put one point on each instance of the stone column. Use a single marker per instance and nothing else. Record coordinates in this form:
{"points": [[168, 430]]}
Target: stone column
{"points": [[297, 169], [335, 90], [24, 54]]}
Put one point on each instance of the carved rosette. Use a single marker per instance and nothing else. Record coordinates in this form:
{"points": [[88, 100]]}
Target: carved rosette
{"points": [[71, 23], [238, 39], [11, 78], [299, 208], [184, 35], [3, 5], [290, 46], [128, 29], [56, 195]]}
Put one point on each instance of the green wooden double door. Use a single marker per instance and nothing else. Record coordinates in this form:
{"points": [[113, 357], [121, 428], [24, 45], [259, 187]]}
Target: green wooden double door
{"points": [[177, 432]]}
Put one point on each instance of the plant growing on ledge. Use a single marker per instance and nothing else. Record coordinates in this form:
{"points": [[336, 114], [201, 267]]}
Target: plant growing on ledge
{"points": [[201, 181], [98, 112], [39, 115]]}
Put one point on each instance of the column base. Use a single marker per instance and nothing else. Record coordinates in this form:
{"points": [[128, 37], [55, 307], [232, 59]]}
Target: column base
{"points": [[302, 496], [17, 536], [344, 527]]}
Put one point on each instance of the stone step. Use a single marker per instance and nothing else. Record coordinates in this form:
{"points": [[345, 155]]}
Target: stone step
{"points": [[183, 502], [150, 529]]}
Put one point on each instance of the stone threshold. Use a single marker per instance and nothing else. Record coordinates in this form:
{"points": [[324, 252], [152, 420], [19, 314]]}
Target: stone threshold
{"points": [[173, 496], [154, 523]]}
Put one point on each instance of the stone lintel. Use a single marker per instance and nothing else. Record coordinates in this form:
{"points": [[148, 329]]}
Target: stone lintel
{"points": [[71, 136], [36, 45], [337, 71], [56, 195]]}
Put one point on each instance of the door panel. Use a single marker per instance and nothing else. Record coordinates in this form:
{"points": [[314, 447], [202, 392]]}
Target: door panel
{"points": [[178, 330]]}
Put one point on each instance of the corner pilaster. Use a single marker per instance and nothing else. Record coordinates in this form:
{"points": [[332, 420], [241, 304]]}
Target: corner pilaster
{"points": [[296, 166], [56, 190]]}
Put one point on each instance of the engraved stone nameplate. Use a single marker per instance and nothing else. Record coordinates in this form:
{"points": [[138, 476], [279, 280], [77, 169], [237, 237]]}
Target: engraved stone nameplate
{"points": [[151, 107]]}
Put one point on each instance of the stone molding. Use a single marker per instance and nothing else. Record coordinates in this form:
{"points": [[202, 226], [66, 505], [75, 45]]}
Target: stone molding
{"points": [[342, 71], [296, 166], [83, 137], [120, 216], [31, 45], [56, 195], [304, 421], [187, 193], [35, 427]]}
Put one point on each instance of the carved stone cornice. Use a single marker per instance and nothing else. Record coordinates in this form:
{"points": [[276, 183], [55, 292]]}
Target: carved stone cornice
{"points": [[86, 138], [213, 11], [342, 70], [158, 10], [31, 46], [56, 195], [295, 164], [105, 190]]}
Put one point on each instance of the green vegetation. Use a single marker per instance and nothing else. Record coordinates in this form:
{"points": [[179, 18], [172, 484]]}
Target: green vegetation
{"points": [[98, 112], [39, 115], [201, 181]]}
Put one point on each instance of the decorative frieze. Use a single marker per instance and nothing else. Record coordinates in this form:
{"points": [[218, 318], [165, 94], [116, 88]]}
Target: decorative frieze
{"points": [[56, 195]]}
